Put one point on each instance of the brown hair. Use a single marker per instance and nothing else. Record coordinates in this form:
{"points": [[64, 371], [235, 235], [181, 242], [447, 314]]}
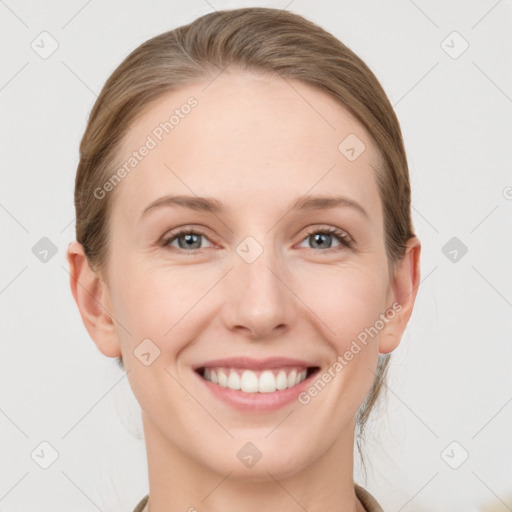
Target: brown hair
{"points": [[265, 40]]}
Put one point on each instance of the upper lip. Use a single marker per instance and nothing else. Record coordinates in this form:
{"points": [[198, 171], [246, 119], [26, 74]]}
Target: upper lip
{"points": [[254, 364]]}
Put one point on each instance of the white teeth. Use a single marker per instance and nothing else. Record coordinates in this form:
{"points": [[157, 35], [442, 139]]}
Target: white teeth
{"points": [[249, 382], [281, 381], [267, 383], [233, 381], [291, 378], [223, 380]]}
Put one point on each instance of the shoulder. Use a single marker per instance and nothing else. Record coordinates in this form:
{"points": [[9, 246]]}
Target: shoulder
{"points": [[141, 504], [368, 501]]}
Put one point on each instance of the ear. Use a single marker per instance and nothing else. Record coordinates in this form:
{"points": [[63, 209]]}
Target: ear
{"points": [[403, 290], [93, 300]]}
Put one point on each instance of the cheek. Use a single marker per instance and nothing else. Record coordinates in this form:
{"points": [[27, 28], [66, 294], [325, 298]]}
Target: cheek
{"points": [[155, 305], [349, 304], [347, 300], [159, 304]]}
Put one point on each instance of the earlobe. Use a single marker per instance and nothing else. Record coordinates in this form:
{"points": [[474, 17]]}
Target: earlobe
{"points": [[92, 298], [404, 288]]}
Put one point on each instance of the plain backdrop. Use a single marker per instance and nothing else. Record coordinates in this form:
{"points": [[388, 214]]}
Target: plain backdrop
{"points": [[441, 440]]}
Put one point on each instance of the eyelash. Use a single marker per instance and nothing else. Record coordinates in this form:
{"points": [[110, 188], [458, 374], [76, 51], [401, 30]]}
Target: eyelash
{"points": [[344, 239]]}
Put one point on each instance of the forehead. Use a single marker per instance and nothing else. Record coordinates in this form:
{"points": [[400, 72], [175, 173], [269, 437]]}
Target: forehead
{"points": [[250, 140]]}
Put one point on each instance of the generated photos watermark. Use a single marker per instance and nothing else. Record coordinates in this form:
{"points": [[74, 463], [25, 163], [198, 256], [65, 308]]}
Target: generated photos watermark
{"points": [[152, 140], [341, 361]]}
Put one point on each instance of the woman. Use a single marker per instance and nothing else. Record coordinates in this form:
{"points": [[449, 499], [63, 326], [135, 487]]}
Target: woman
{"points": [[245, 249]]}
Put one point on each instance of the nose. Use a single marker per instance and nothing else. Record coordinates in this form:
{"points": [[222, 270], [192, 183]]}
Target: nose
{"points": [[258, 300]]}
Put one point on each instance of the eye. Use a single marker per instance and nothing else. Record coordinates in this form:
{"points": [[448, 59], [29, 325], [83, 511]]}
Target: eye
{"points": [[322, 238], [186, 238]]}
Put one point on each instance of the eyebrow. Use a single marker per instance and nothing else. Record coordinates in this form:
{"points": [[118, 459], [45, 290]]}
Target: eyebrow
{"points": [[211, 205]]}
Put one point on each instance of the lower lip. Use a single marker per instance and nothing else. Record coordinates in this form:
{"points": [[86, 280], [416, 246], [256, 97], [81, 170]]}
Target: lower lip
{"points": [[257, 401]]}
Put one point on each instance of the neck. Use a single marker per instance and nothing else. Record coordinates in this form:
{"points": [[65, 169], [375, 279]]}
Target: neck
{"points": [[177, 481]]}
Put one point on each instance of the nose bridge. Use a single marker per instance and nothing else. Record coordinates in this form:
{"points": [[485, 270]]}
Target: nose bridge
{"points": [[259, 299]]}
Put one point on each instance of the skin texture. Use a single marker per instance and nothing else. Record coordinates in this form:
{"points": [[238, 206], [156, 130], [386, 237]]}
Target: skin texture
{"points": [[255, 144]]}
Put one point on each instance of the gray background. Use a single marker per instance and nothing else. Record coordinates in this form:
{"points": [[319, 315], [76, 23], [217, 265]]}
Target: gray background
{"points": [[450, 378]]}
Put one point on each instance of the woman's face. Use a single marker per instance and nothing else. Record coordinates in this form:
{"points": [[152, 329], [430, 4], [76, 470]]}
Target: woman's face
{"points": [[259, 281]]}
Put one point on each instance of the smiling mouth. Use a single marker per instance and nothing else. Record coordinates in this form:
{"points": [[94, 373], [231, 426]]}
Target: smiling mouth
{"points": [[249, 381]]}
